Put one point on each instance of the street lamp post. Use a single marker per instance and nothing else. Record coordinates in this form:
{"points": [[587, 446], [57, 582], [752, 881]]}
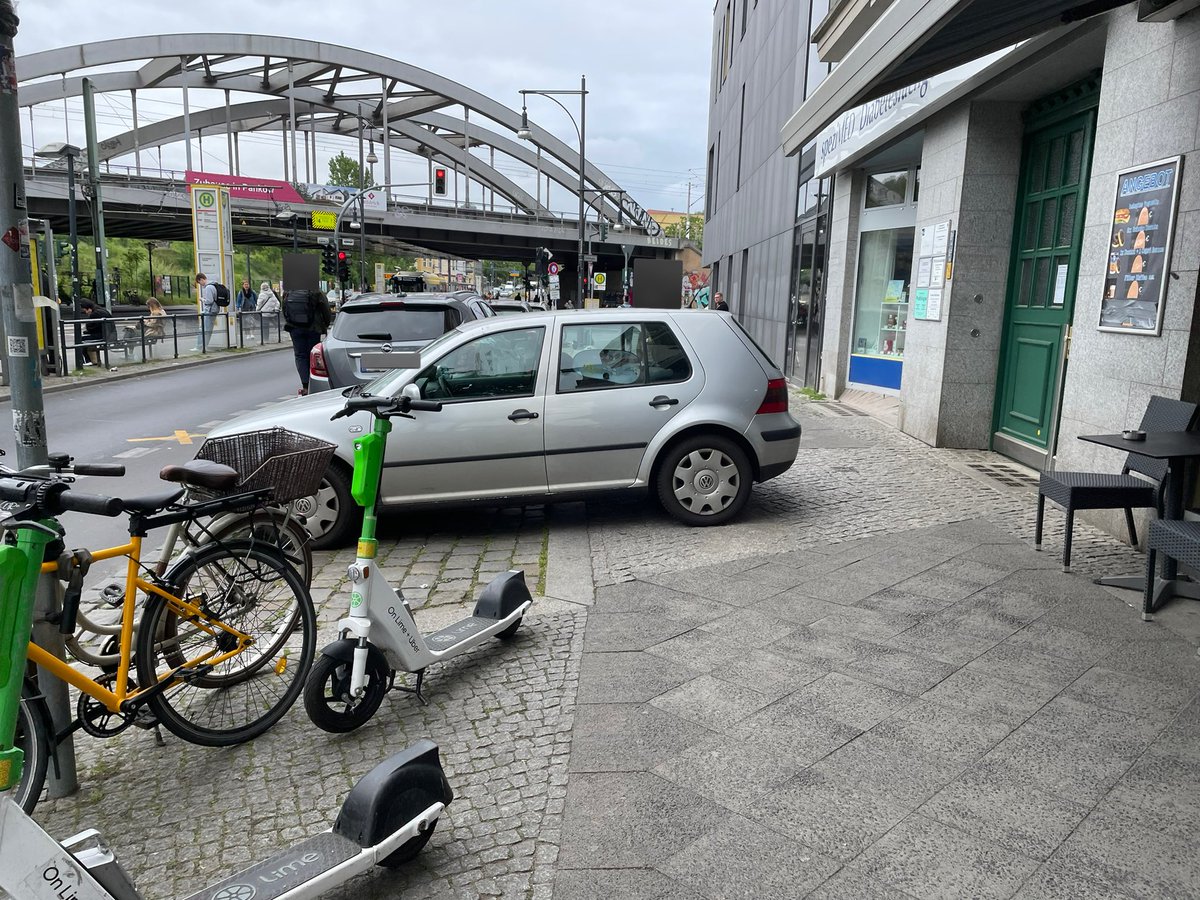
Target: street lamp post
{"points": [[581, 130], [286, 216], [69, 152]]}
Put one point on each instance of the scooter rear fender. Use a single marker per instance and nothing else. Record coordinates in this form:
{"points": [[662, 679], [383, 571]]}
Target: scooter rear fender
{"points": [[503, 595], [392, 794]]}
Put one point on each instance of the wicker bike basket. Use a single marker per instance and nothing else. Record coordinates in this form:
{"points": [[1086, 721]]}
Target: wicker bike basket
{"points": [[290, 463]]}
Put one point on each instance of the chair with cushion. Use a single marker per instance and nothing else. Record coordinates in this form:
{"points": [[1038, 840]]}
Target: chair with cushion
{"points": [[1094, 490]]}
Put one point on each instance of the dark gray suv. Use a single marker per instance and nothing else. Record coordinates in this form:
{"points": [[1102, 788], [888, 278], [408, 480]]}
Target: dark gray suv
{"points": [[369, 322]]}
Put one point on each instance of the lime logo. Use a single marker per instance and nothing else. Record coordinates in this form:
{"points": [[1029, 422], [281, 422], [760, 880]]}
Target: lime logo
{"points": [[355, 600], [206, 198]]}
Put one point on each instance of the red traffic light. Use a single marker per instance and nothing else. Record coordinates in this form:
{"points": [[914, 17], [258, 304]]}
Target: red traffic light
{"points": [[439, 182], [341, 255], [440, 173]]}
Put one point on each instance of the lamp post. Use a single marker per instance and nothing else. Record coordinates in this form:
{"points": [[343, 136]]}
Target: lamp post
{"points": [[581, 130], [286, 216], [60, 150]]}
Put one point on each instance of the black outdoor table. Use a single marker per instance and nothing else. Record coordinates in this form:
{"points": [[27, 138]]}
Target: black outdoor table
{"points": [[1177, 448]]}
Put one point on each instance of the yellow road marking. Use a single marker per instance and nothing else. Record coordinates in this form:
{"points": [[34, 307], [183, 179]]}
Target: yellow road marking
{"points": [[180, 435]]}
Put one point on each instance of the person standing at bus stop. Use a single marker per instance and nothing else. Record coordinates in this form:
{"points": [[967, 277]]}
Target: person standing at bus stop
{"points": [[306, 318], [208, 310]]}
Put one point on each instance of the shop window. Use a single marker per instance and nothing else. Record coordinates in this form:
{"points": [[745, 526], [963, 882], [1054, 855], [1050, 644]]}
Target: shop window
{"points": [[886, 189], [882, 297]]}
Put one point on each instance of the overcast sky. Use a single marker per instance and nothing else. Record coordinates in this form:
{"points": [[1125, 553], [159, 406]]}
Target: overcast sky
{"points": [[646, 62]]}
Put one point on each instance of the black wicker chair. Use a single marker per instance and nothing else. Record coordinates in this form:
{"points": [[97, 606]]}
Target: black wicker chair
{"points": [[1094, 490]]}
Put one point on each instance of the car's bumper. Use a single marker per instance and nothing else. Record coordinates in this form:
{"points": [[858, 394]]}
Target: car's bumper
{"points": [[318, 383], [776, 441]]}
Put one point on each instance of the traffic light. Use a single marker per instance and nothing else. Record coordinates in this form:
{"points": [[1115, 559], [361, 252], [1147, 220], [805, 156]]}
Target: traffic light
{"points": [[604, 229], [539, 262], [439, 182], [343, 266], [329, 260]]}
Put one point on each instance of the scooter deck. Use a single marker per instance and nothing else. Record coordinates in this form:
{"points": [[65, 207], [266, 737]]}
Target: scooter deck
{"points": [[287, 869], [458, 632]]}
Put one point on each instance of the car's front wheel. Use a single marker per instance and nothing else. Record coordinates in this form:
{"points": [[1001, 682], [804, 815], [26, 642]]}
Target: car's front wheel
{"points": [[330, 514], [704, 480]]}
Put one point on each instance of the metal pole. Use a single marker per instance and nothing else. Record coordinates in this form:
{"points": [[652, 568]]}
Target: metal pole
{"points": [[582, 166], [228, 134], [62, 780], [467, 155], [362, 207], [387, 137], [150, 253], [89, 120], [187, 113], [137, 147], [51, 265], [295, 239], [292, 116]]}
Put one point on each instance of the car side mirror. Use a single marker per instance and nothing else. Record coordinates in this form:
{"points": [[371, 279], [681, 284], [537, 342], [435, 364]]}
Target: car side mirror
{"points": [[411, 391]]}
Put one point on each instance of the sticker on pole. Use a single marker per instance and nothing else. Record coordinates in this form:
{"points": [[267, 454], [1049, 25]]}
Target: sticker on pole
{"points": [[18, 346], [554, 268]]}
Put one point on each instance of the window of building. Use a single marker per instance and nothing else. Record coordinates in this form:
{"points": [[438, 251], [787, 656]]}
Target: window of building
{"points": [[726, 42], [711, 175], [741, 139], [886, 189], [743, 290]]}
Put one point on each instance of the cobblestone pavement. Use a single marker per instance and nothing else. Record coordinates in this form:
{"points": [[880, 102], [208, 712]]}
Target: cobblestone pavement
{"points": [[670, 767]]}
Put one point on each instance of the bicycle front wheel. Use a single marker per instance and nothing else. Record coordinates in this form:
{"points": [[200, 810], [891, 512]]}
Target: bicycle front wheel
{"points": [[223, 690], [33, 738]]}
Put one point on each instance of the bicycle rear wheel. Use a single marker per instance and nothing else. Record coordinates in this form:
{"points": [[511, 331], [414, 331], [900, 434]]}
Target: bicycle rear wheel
{"points": [[290, 536], [33, 738], [247, 588]]}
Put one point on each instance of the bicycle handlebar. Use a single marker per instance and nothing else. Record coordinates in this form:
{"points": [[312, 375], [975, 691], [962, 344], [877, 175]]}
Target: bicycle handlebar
{"points": [[384, 406], [55, 497], [107, 469]]}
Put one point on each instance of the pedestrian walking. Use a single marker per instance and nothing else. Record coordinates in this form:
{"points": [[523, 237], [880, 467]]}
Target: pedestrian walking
{"points": [[208, 310], [268, 310], [719, 303], [306, 318]]}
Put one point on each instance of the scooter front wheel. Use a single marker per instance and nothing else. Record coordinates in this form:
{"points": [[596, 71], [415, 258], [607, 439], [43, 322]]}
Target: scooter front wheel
{"points": [[327, 694]]}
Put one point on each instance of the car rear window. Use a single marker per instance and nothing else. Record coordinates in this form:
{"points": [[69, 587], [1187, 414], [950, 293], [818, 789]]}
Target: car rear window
{"points": [[394, 323]]}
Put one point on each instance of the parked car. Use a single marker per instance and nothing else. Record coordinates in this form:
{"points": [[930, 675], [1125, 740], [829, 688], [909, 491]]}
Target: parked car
{"points": [[371, 321], [554, 406], [509, 307]]}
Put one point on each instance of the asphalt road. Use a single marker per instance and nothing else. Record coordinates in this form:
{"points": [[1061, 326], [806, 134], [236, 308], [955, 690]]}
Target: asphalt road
{"points": [[146, 423]]}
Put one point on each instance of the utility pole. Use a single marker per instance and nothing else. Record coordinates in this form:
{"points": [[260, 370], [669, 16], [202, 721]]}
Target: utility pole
{"points": [[16, 277]]}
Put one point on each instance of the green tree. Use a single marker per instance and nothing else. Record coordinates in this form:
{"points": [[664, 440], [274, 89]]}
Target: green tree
{"points": [[689, 227], [345, 172]]}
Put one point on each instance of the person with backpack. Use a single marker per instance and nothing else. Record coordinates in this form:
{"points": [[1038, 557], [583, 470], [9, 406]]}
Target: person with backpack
{"points": [[306, 318], [209, 308]]}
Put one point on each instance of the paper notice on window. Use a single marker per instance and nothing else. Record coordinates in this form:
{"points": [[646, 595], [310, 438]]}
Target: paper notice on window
{"points": [[934, 305], [937, 277], [1060, 286], [926, 242], [941, 238], [924, 265]]}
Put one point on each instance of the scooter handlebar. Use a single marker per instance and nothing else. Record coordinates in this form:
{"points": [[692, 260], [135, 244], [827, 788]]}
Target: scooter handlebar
{"points": [[55, 497], [385, 406], [93, 504]]}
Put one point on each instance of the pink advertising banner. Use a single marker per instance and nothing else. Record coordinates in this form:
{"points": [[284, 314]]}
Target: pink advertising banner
{"points": [[249, 188]]}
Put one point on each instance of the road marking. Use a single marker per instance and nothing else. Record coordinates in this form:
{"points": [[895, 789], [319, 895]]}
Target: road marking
{"points": [[135, 452], [213, 424], [180, 435]]}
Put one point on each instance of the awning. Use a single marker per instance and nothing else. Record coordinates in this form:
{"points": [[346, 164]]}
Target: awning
{"points": [[922, 37]]}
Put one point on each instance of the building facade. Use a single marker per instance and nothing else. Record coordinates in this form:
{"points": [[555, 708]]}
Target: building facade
{"points": [[1011, 234]]}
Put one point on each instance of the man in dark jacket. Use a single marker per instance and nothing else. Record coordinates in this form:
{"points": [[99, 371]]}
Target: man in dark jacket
{"points": [[96, 329], [306, 318]]}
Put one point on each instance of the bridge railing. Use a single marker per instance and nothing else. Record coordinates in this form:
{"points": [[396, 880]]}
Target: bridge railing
{"points": [[145, 338]]}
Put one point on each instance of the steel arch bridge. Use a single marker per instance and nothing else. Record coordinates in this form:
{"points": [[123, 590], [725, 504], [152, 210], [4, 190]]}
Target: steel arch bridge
{"points": [[310, 88]]}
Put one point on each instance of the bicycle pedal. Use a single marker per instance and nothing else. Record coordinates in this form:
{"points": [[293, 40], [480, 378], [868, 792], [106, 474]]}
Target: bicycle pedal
{"points": [[145, 719], [190, 675]]}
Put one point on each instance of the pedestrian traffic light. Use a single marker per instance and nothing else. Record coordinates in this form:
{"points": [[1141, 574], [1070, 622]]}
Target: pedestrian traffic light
{"points": [[343, 266], [439, 182], [329, 260]]}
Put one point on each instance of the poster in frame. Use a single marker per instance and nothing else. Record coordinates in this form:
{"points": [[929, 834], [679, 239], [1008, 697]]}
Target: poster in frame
{"points": [[1139, 247]]}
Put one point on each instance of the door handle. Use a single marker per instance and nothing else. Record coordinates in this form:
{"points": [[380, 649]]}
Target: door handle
{"points": [[662, 400], [519, 414]]}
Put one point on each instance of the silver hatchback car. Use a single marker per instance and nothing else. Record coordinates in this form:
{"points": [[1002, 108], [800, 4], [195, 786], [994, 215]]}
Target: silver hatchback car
{"points": [[555, 406]]}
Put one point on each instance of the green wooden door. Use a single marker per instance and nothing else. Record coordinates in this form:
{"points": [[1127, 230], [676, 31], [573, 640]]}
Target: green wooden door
{"points": [[1041, 293]]}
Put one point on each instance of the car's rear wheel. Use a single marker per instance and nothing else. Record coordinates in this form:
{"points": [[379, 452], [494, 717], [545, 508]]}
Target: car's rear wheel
{"points": [[330, 514], [704, 480]]}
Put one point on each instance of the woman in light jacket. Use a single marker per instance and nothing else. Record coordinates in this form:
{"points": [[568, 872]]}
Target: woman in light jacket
{"points": [[268, 307]]}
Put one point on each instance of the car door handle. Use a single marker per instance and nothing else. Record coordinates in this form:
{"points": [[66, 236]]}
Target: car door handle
{"points": [[519, 414], [662, 400]]}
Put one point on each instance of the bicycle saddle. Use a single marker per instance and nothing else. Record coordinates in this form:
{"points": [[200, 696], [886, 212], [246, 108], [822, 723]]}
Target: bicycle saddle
{"points": [[201, 473]]}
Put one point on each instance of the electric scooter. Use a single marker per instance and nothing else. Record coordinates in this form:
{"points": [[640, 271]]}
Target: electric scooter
{"points": [[378, 637], [386, 819]]}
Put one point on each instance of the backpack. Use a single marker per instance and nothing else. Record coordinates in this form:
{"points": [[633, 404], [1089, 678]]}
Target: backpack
{"points": [[222, 294], [298, 310]]}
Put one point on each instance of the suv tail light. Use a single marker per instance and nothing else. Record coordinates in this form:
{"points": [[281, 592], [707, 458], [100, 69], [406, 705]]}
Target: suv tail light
{"points": [[316, 361], [774, 401]]}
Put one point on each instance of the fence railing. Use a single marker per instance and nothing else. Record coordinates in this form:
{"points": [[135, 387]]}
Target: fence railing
{"points": [[146, 338]]}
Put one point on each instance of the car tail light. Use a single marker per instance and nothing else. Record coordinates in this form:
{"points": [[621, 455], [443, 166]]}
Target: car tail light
{"points": [[316, 362], [776, 398]]}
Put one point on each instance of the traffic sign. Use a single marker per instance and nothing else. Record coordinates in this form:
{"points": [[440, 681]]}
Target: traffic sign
{"points": [[553, 269], [600, 280], [554, 279], [323, 219], [554, 293], [322, 240], [589, 257], [347, 242]]}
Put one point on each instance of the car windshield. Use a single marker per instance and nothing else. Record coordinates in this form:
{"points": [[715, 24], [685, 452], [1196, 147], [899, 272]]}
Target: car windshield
{"points": [[392, 323], [388, 383]]}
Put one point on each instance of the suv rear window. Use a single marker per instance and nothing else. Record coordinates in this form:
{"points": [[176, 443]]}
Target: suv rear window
{"points": [[394, 323]]}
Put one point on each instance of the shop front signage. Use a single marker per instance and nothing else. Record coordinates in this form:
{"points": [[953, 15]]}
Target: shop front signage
{"points": [[1139, 247], [865, 127]]}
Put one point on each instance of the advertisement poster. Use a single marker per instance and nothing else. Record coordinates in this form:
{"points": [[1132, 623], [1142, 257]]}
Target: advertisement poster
{"points": [[244, 188], [1139, 254]]}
